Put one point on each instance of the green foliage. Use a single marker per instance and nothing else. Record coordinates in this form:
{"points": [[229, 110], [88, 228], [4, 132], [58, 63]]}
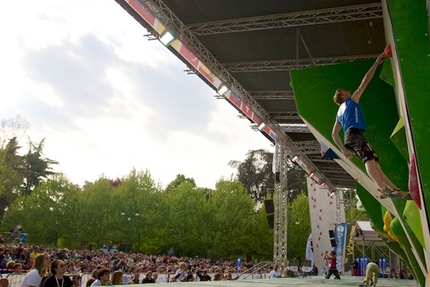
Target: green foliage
{"points": [[185, 221], [256, 174], [299, 226], [180, 178], [37, 168]]}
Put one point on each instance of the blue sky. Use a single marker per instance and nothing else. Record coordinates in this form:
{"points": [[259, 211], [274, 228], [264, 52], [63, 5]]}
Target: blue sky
{"points": [[107, 100]]}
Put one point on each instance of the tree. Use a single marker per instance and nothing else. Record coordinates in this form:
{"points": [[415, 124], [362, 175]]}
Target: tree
{"points": [[255, 173], [180, 178], [12, 172], [231, 223], [47, 214], [37, 168], [299, 226]]}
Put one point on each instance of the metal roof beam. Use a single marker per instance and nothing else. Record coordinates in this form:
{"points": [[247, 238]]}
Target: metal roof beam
{"points": [[158, 6], [287, 20], [291, 64], [285, 116], [272, 95], [295, 128]]}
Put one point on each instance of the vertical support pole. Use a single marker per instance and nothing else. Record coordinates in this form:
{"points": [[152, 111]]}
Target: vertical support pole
{"points": [[280, 200]]}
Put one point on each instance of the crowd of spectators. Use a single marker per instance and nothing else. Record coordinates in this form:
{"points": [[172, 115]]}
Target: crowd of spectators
{"points": [[134, 267]]}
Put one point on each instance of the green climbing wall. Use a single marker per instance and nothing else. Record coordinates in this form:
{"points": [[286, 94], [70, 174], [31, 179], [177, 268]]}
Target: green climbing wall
{"points": [[314, 89]]}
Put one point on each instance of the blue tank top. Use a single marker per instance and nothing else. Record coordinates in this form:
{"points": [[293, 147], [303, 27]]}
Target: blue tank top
{"points": [[350, 115]]}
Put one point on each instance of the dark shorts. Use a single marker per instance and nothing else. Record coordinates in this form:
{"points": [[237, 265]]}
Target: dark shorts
{"points": [[357, 143]]}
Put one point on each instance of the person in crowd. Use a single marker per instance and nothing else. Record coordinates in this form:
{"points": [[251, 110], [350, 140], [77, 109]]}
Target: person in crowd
{"points": [[189, 278], [19, 255], [332, 267], [17, 269], [275, 272], [76, 279], [117, 278], [203, 275], [164, 278], [120, 263], [148, 278], [90, 281], [58, 279], [181, 273], [40, 269], [314, 270], [102, 277], [354, 267], [324, 272], [135, 278], [3, 263], [155, 276], [218, 277], [350, 118]]}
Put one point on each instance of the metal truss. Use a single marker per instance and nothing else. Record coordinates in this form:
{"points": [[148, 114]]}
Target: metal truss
{"points": [[280, 201], [287, 20], [285, 116], [295, 128], [307, 147], [291, 64], [272, 95], [160, 8]]}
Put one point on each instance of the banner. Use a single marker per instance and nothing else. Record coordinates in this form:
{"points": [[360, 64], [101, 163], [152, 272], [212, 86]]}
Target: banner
{"points": [[340, 231], [309, 249], [349, 248]]}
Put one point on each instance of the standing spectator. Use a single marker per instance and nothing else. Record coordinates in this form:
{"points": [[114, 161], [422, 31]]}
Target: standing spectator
{"points": [[333, 268], [354, 266], [39, 270], [58, 269]]}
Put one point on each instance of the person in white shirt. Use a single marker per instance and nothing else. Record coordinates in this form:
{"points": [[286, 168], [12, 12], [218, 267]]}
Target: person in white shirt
{"points": [[275, 273], [39, 270]]}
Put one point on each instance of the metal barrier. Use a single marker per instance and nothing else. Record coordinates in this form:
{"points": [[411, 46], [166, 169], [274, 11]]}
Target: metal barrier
{"points": [[15, 279]]}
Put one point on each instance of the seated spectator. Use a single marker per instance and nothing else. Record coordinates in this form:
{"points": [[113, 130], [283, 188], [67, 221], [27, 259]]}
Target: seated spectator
{"points": [[203, 275], [117, 278], [275, 272], [102, 277], [314, 271], [90, 281], [148, 278]]}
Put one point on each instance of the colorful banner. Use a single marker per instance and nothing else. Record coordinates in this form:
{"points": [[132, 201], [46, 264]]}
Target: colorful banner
{"points": [[349, 248], [339, 233]]}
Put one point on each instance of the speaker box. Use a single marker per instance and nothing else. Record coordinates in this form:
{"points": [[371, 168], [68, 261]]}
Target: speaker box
{"points": [[271, 220], [269, 206], [333, 242]]}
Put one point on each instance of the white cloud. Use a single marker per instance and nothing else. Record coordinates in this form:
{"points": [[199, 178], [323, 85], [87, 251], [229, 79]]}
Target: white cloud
{"points": [[108, 100]]}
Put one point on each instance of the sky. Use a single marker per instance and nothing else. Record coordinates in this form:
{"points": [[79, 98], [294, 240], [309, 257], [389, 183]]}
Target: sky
{"points": [[107, 100]]}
